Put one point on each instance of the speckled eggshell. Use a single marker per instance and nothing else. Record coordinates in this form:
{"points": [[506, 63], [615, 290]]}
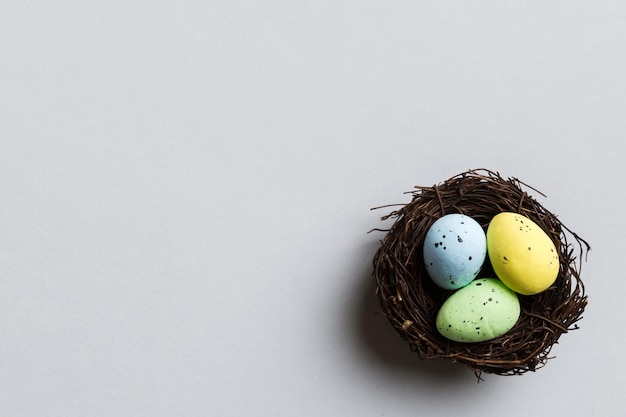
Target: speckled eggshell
{"points": [[481, 311], [521, 253], [455, 248]]}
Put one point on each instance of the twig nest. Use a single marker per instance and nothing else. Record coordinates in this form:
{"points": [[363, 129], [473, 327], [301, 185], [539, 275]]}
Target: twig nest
{"points": [[411, 300]]}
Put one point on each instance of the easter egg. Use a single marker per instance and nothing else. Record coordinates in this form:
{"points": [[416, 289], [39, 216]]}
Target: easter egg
{"points": [[455, 247], [521, 253], [481, 311]]}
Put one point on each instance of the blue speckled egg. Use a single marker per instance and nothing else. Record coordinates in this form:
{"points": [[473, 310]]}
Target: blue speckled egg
{"points": [[455, 247]]}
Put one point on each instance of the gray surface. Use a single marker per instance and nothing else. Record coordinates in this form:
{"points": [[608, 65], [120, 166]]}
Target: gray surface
{"points": [[185, 191]]}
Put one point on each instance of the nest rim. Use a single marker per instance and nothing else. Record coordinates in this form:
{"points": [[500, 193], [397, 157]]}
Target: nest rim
{"points": [[410, 299]]}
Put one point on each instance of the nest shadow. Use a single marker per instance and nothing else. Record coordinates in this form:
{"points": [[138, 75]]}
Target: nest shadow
{"points": [[383, 349]]}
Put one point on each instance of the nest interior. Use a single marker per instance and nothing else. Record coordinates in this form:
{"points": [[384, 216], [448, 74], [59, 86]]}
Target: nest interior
{"points": [[411, 300]]}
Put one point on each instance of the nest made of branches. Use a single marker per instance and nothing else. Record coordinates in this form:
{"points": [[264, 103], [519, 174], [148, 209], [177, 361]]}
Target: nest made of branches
{"points": [[411, 300]]}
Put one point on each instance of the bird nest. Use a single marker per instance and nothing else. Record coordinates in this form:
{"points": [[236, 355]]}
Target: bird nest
{"points": [[411, 300]]}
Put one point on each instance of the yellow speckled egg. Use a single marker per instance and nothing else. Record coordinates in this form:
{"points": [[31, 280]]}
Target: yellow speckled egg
{"points": [[522, 255]]}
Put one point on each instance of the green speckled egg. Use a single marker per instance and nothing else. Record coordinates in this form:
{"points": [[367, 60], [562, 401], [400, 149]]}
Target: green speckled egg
{"points": [[481, 311]]}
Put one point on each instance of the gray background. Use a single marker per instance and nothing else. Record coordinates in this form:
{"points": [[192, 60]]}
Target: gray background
{"points": [[185, 194]]}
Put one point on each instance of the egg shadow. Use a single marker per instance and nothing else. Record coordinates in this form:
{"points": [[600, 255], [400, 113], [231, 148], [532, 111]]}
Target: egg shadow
{"points": [[382, 348]]}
